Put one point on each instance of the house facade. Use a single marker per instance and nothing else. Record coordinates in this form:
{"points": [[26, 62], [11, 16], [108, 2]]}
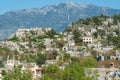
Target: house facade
{"points": [[88, 39]]}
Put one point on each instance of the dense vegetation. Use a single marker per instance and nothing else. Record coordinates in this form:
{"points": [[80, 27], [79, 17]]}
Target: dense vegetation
{"points": [[72, 71]]}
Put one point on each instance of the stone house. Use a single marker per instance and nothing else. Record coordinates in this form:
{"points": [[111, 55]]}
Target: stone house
{"points": [[88, 39], [34, 68]]}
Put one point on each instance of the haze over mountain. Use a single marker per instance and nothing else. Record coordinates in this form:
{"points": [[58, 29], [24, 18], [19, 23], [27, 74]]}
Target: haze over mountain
{"points": [[56, 16]]}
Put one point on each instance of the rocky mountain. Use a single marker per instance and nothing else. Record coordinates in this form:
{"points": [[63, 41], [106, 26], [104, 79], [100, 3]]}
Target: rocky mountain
{"points": [[56, 16]]}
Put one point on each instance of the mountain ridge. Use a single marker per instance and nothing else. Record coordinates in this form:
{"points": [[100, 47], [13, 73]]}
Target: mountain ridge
{"points": [[56, 16]]}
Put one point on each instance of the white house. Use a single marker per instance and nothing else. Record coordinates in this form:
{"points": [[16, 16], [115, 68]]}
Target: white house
{"points": [[10, 64], [88, 39], [34, 68]]}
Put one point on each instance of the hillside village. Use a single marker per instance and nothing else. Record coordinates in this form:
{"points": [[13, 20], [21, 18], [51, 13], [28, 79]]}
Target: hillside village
{"points": [[91, 43]]}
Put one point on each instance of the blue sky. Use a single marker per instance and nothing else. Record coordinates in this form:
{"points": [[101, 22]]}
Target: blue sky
{"points": [[8, 5]]}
